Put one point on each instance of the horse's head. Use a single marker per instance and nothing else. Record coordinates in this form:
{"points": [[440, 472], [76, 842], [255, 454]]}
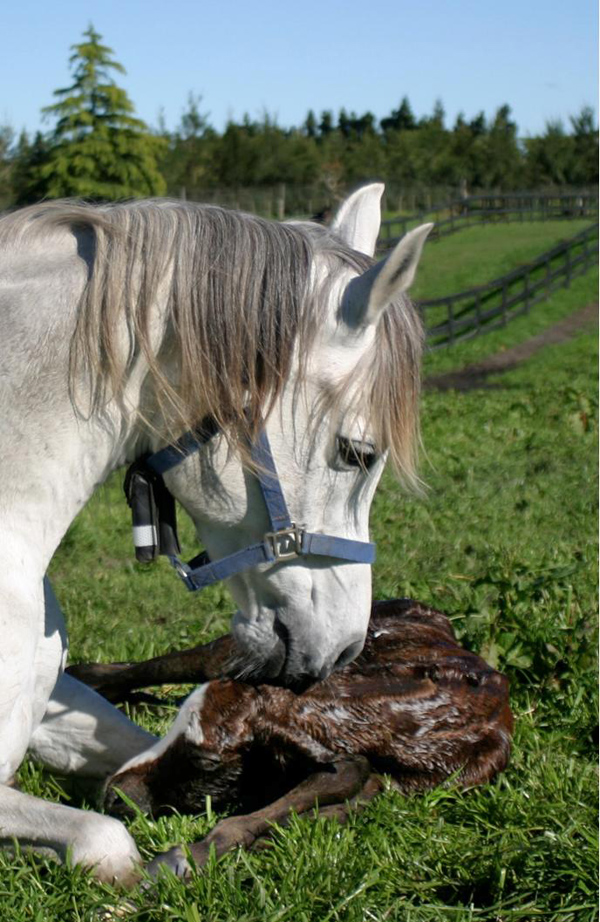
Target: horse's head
{"points": [[348, 399]]}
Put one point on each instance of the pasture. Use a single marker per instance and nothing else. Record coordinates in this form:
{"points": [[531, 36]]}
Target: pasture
{"points": [[476, 255], [503, 540]]}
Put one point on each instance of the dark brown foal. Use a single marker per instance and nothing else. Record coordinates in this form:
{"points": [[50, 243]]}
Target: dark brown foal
{"points": [[414, 705]]}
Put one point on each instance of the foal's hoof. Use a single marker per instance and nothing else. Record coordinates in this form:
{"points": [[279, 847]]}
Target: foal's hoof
{"points": [[174, 860]]}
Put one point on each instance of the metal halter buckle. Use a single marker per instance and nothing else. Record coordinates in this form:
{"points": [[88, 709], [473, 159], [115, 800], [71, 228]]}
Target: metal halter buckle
{"points": [[285, 543], [179, 567]]}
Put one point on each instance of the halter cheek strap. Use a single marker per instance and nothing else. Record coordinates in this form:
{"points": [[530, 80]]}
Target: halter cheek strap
{"points": [[285, 541]]}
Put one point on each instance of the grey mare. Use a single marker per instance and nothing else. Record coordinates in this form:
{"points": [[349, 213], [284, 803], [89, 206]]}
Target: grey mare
{"points": [[120, 328]]}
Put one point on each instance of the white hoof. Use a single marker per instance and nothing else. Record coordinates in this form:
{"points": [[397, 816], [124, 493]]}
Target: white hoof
{"points": [[105, 847]]}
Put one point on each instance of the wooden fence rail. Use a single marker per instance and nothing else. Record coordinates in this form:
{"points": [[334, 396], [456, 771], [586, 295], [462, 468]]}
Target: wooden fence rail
{"points": [[474, 210], [479, 310]]}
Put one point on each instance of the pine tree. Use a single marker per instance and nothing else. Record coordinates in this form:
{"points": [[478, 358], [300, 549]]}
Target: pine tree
{"points": [[30, 157], [585, 140], [326, 123], [310, 125], [401, 119], [7, 138], [98, 149]]}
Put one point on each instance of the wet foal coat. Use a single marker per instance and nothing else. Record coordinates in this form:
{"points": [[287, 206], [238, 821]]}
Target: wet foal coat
{"points": [[414, 704]]}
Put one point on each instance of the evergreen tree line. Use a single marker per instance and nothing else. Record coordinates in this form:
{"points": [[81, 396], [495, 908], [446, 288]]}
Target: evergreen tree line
{"points": [[98, 149]]}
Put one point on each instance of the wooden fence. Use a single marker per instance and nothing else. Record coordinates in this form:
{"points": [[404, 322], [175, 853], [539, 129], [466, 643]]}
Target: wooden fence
{"points": [[487, 307], [474, 210], [295, 200]]}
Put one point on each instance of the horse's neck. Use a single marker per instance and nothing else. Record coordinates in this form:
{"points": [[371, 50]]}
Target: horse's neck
{"points": [[48, 476], [52, 460], [51, 457]]}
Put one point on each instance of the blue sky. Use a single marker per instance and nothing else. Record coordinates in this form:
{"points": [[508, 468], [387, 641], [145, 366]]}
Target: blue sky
{"points": [[539, 56]]}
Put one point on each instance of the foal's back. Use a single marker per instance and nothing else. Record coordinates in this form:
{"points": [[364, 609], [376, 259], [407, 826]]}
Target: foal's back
{"points": [[415, 703]]}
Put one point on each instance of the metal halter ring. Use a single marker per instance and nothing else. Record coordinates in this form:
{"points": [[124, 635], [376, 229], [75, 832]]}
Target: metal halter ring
{"points": [[285, 543]]}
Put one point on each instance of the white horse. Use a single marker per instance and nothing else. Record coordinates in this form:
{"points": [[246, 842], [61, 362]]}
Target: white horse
{"points": [[120, 328]]}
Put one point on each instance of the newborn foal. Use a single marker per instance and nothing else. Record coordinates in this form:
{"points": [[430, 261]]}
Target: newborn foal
{"points": [[414, 704]]}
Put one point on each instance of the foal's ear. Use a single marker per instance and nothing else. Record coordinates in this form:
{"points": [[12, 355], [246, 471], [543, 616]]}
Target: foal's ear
{"points": [[359, 219], [367, 296]]}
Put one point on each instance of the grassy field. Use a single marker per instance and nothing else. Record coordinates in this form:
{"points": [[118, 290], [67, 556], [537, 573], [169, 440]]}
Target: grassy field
{"points": [[499, 249], [477, 255], [504, 541]]}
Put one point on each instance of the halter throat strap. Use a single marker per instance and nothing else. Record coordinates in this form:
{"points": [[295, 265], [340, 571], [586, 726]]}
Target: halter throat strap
{"points": [[285, 541], [187, 444]]}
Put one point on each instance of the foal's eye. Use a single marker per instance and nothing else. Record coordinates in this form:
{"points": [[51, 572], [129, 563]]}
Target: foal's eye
{"points": [[356, 453]]}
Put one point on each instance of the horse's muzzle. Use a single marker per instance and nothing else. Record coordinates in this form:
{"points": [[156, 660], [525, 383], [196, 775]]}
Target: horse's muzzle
{"points": [[287, 665]]}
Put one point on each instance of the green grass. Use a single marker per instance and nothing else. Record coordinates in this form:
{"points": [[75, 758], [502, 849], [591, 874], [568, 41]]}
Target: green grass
{"points": [[504, 540], [582, 292], [477, 255]]}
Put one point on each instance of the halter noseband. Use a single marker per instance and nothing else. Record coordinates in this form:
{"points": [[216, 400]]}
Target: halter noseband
{"points": [[154, 527]]}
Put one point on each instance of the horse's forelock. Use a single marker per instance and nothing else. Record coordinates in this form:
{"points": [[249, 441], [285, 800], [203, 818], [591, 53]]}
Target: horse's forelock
{"points": [[386, 384]]}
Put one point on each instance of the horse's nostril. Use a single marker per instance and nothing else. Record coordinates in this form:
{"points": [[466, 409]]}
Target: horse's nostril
{"points": [[299, 671], [279, 657], [282, 632], [350, 653]]}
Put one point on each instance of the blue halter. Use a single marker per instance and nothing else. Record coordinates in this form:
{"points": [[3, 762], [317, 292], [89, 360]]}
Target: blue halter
{"points": [[285, 541]]}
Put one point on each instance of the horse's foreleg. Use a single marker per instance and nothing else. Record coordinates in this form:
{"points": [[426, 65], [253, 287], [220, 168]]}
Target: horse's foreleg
{"points": [[32, 649], [97, 842], [345, 779], [81, 732], [31, 654]]}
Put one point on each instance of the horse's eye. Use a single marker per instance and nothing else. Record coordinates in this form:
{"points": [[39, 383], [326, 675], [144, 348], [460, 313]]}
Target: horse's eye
{"points": [[356, 453]]}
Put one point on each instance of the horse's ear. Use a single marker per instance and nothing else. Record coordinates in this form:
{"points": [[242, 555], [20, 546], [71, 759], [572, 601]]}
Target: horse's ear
{"points": [[367, 296], [359, 219]]}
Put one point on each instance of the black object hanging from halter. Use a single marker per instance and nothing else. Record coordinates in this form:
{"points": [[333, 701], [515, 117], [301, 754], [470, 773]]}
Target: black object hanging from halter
{"points": [[153, 513], [154, 518]]}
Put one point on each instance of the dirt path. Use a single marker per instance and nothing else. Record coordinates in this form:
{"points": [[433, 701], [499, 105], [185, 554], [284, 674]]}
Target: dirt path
{"points": [[473, 376]]}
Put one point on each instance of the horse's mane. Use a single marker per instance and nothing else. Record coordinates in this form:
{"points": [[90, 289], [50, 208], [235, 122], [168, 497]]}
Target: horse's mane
{"points": [[240, 302]]}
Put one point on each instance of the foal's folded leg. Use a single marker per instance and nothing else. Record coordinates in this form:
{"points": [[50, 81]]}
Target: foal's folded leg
{"points": [[343, 811], [345, 779], [116, 681], [340, 812]]}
